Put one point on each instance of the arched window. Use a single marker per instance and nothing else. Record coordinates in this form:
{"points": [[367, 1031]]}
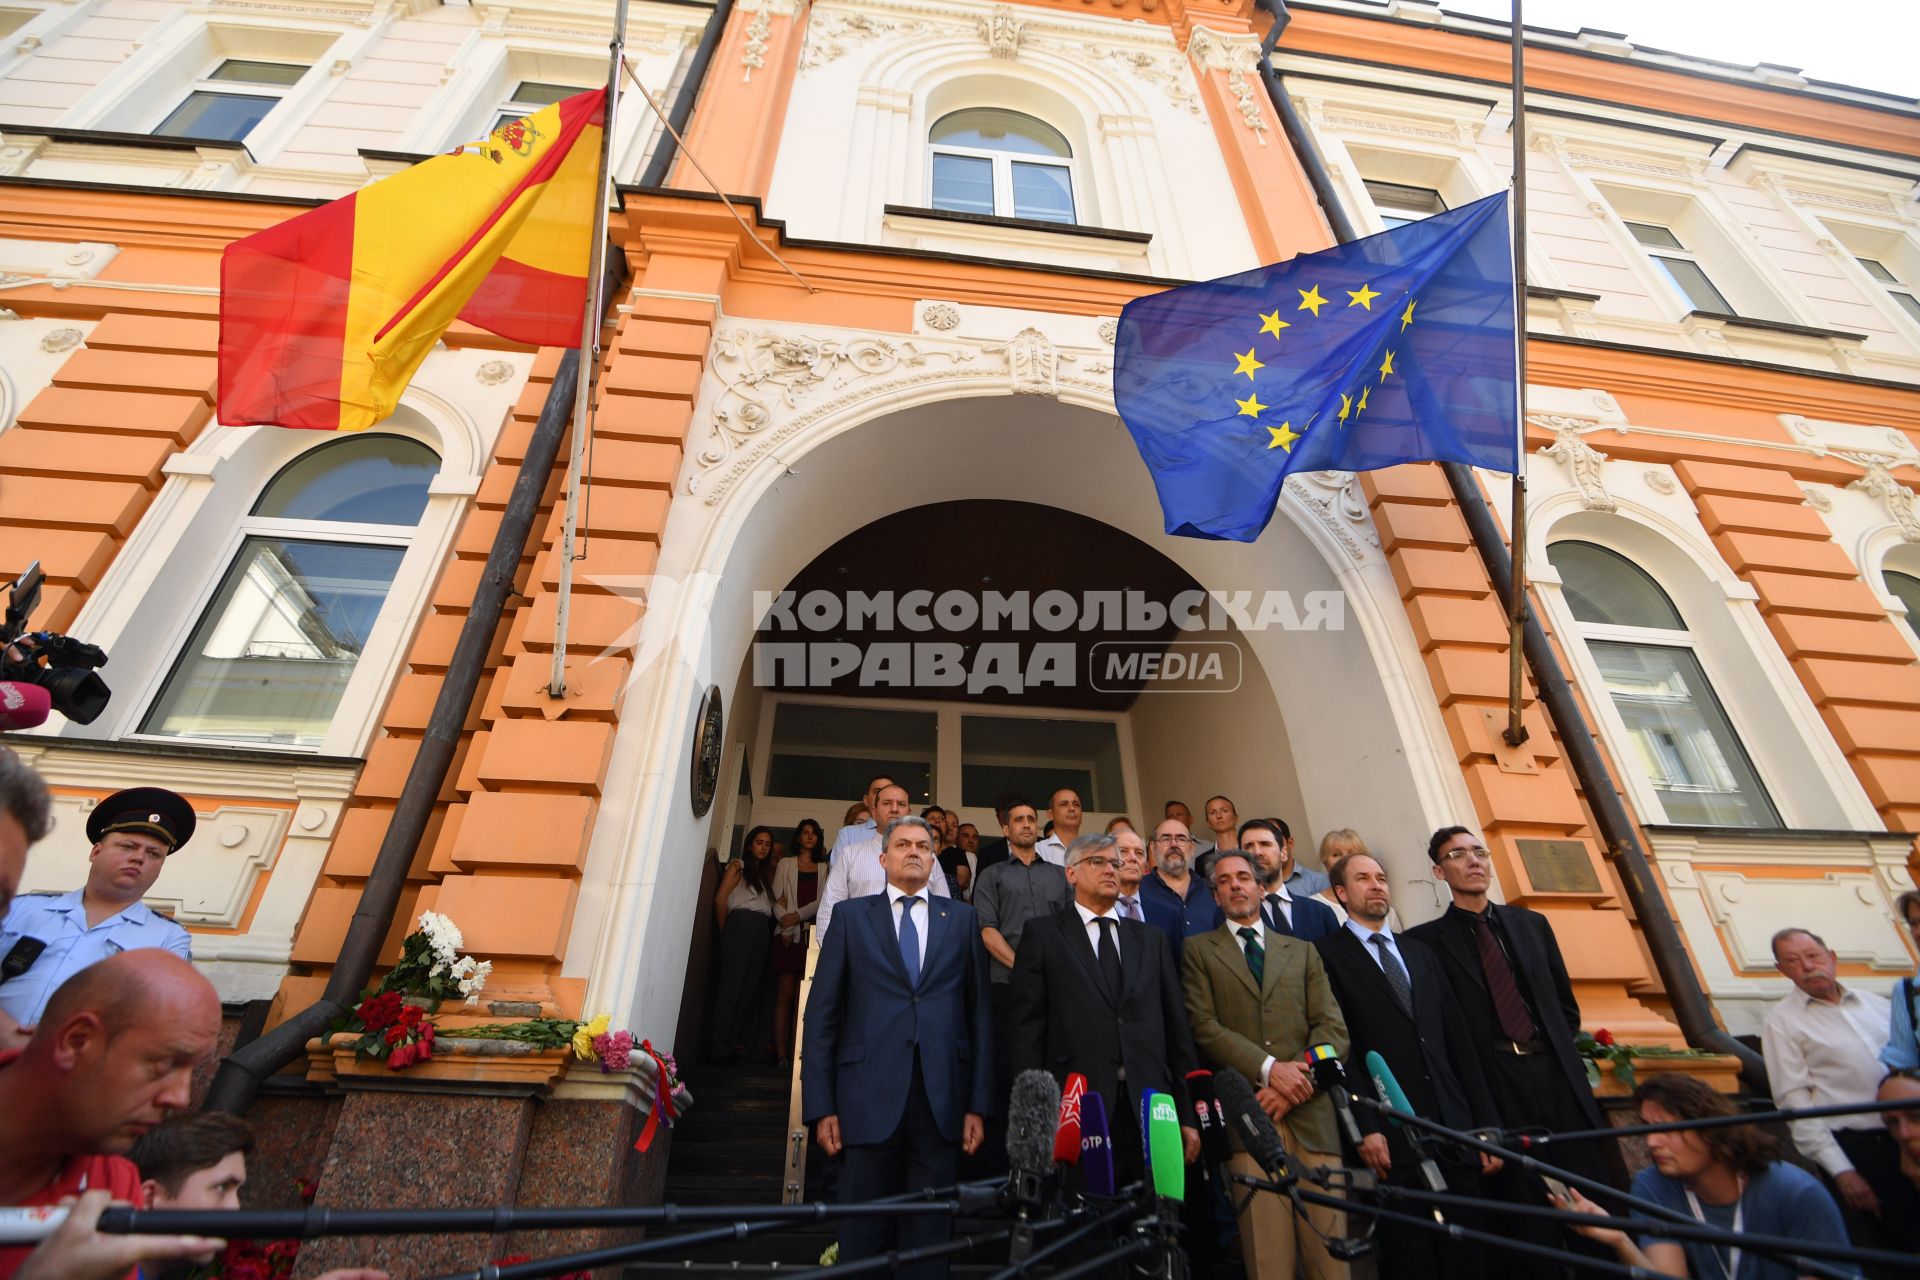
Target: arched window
{"points": [[1906, 589], [995, 162], [276, 645], [1680, 736]]}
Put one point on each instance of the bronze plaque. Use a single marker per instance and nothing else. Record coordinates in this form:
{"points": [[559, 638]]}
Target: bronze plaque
{"points": [[1558, 866]]}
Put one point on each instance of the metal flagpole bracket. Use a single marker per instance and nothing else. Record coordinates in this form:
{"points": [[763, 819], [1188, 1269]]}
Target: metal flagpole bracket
{"points": [[589, 353], [1515, 733]]}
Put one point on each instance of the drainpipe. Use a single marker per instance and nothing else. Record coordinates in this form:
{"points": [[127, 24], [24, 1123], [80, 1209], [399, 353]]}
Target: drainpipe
{"points": [[682, 111], [243, 1072], [1691, 1007]]}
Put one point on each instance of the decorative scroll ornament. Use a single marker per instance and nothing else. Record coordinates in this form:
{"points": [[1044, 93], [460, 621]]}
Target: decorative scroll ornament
{"points": [[1659, 481], [832, 36], [1896, 497], [1033, 363], [1237, 56], [493, 373], [58, 340], [1582, 461], [1336, 502], [754, 56], [1817, 499], [943, 316], [1001, 30]]}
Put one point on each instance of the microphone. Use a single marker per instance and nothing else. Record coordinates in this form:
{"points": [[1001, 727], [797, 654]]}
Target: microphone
{"points": [[1096, 1145], [1255, 1128], [1330, 1078], [1146, 1130], [1168, 1152], [1031, 1112], [1215, 1146], [1394, 1096], [1066, 1133], [23, 705]]}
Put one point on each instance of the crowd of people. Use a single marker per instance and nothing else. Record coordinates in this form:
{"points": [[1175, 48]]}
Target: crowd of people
{"points": [[1134, 957]]}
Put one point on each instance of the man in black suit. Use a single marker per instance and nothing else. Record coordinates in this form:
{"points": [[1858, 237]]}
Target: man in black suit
{"points": [[1506, 970], [1298, 915], [897, 1068], [1099, 994], [1398, 1004]]}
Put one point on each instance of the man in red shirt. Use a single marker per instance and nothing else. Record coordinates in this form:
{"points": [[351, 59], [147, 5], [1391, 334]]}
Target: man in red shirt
{"points": [[113, 1055]]}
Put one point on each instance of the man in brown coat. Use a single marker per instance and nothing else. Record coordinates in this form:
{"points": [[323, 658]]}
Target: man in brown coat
{"points": [[1258, 1000]]}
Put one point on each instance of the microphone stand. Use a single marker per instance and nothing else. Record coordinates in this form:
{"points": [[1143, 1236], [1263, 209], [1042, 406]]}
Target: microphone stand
{"points": [[1713, 1122], [1588, 1185], [1018, 1269]]}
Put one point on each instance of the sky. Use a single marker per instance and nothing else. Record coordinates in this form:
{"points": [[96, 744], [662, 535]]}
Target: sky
{"points": [[1870, 44]]}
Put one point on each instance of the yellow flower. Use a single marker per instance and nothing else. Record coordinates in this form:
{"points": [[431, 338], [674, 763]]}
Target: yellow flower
{"points": [[583, 1036]]}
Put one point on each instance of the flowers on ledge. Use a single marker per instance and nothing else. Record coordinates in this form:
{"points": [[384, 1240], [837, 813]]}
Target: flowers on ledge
{"points": [[1600, 1046]]}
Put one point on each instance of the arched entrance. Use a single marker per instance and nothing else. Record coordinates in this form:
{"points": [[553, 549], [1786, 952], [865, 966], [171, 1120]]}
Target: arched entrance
{"points": [[1343, 732]]}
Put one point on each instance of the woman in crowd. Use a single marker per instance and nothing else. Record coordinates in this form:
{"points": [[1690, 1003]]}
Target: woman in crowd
{"points": [[1903, 1044], [796, 898], [743, 911]]}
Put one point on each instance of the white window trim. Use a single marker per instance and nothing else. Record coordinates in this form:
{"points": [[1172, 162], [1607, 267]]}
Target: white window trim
{"points": [[276, 93], [1783, 770], [1003, 162], [1653, 253]]}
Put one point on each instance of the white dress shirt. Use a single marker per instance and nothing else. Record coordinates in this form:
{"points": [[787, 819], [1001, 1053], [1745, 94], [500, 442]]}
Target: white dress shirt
{"points": [[1087, 919], [1052, 850], [1827, 1055], [1259, 925], [1286, 901], [856, 872], [895, 894], [1367, 936]]}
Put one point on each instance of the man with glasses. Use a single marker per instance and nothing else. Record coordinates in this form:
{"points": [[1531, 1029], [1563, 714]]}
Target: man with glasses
{"points": [[1097, 993], [1507, 972], [1171, 893]]}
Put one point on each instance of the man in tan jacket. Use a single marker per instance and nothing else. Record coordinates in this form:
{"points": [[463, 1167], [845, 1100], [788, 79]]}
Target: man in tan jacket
{"points": [[1258, 1001]]}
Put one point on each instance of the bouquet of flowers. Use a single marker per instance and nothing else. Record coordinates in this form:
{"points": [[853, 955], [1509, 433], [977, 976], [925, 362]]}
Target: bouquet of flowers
{"points": [[1600, 1046], [394, 1030], [430, 968]]}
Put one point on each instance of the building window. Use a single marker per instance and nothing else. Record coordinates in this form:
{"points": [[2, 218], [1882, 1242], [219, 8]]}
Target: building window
{"points": [[1680, 268], [827, 752], [232, 98], [1002, 754], [1678, 733], [1901, 292], [1398, 204], [274, 649], [528, 97], [1001, 163], [1906, 589]]}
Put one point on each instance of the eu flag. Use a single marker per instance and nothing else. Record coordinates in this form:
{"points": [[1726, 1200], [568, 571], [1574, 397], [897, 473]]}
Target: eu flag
{"points": [[1395, 348]]}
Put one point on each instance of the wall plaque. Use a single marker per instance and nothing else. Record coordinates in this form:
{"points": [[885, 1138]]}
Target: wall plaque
{"points": [[1559, 866]]}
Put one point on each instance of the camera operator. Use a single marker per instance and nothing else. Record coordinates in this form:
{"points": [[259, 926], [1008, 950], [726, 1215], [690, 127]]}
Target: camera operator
{"points": [[47, 938]]}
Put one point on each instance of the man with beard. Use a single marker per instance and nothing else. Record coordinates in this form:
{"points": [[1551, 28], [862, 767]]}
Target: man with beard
{"points": [[1176, 900], [1301, 915]]}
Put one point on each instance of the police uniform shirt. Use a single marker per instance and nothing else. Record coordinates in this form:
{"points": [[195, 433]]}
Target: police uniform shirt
{"points": [[60, 921]]}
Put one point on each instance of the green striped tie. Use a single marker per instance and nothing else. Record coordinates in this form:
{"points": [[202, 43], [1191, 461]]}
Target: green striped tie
{"points": [[1256, 955]]}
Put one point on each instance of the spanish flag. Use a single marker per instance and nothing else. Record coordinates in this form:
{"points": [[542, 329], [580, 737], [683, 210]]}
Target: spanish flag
{"points": [[325, 318]]}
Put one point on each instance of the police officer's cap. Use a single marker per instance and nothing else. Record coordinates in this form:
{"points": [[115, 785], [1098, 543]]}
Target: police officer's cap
{"points": [[151, 811]]}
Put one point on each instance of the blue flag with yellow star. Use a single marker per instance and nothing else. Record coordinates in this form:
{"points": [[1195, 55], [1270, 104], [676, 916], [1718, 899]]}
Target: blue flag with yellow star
{"points": [[1396, 348]]}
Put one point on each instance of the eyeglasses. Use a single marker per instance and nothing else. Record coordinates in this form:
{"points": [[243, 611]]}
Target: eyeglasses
{"points": [[1113, 863], [1454, 855]]}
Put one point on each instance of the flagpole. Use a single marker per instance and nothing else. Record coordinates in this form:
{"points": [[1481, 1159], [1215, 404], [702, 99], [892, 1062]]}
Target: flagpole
{"points": [[1516, 731], [589, 350]]}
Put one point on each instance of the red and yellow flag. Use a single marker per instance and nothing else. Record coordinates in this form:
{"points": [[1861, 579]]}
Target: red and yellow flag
{"points": [[325, 318]]}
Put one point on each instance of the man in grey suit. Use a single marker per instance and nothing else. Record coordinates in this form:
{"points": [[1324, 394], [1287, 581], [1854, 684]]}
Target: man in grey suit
{"points": [[1258, 1000]]}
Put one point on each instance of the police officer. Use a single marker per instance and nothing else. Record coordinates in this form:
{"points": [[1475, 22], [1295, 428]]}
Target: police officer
{"points": [[47, 938]]}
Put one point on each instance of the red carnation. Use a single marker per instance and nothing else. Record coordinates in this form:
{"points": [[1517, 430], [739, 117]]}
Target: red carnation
{"points": [[1603, 1037]]}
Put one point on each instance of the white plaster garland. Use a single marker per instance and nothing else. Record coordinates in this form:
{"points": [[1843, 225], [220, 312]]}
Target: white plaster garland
{"points": [[1878, 482], [754, 56], [1336, 502], [1237, 56], [1583, 462]]}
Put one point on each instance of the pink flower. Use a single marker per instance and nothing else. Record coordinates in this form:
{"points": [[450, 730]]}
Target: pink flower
{"points": [[617, 1053]]}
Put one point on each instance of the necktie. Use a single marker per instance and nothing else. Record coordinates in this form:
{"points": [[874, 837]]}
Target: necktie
{"points": [[1516, 1023], [1130, 908], [1396, 974], [1276, 918], [1256, 955], [910, 940], [1109, 955]]}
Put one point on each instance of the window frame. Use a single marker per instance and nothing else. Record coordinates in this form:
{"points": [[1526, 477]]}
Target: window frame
{"points": [[206, 83], [1004, 204], [1661, 256], [517, 108], [1643, 787], [1394, 215], [1906, 297], [142, 701]]}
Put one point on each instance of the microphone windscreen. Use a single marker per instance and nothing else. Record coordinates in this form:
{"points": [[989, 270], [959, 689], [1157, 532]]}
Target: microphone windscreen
{"points": [[1245, 1118], [1096, 1145], [1146, 1129], [1389, 1088], [1032, 1109], [1066, 1134], [1328, 1071], [1214, 1144], [23, 705], [1169, 1161]]}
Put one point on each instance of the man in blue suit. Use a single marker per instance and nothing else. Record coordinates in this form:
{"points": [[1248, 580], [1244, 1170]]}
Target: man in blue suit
{"points": [[897, 1066], [1300, 915]]}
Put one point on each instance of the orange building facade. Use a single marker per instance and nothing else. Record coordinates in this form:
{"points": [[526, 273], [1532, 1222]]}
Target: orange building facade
{"points": [[950, 202]]}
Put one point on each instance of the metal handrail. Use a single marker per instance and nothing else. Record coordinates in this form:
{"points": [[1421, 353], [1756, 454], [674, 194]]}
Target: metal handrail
{"points": [[793, 1179]]}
